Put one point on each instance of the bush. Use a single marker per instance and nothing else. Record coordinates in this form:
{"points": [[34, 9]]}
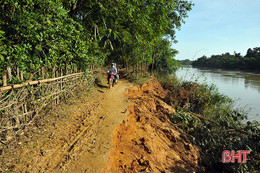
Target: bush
{"points": [[220, 128]]}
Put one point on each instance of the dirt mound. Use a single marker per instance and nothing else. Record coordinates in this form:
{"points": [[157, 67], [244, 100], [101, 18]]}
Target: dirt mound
{"points": [[147, 140]]}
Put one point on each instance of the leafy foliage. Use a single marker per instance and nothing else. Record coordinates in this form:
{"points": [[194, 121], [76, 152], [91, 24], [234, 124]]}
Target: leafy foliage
{"points": [[41, 34], [163, 63], [185, 62], [212, 123], [251, 61], [62, 33]]}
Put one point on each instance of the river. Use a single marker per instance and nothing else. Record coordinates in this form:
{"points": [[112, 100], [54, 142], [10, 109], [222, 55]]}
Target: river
{"points": [[241, 86]]}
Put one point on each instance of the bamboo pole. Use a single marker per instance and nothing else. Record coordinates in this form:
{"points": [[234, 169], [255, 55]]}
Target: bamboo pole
{"points": [[53, 72], [58, 72], [4, 80], [61, 84], [24, 114], [57, 86], [9, 72], [53, 100], [38, 82], [43, 72], [67, 70], [76, 69], [21, 75], [18, 74]]}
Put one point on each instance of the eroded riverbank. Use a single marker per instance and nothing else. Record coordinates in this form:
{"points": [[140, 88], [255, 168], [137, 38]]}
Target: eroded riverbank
{"points": [[242, 86]]}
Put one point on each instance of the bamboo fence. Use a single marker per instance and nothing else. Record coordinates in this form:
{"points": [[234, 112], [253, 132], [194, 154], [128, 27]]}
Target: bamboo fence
{"points": [[20, 104]]}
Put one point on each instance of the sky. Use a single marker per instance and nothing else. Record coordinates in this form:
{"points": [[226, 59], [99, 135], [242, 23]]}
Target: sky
{"points": [[219, 26]]}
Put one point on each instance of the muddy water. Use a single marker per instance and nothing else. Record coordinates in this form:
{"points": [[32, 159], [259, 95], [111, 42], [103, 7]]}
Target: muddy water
{"points": [[243, 87]]}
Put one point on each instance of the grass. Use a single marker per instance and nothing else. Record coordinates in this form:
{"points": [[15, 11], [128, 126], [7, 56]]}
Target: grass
{"points": [[222, 127], [138, 78]]}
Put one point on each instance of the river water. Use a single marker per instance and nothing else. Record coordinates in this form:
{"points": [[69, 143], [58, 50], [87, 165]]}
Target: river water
{"points": [[241, 86]]}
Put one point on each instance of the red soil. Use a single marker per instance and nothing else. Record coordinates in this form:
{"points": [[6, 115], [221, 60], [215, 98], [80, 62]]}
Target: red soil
{"points": [[147, 141]]}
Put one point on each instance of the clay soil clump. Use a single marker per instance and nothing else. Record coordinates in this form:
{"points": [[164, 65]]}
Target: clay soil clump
{"points": [[147, 141]]}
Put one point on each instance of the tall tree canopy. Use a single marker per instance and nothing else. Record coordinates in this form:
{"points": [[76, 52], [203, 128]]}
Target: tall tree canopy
{"points": [[36, 33]]}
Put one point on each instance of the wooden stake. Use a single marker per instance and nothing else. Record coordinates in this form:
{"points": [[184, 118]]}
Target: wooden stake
{"points": [[57, 73], [76, 69], [21, 75], [43, 72], [9, 72], [18, 75], [67, 70], [24, 111], [53, 72], [4, 80]]}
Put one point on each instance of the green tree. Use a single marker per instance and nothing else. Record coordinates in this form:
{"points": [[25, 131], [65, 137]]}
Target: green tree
{"points": [[251, 61], [63, 33]]}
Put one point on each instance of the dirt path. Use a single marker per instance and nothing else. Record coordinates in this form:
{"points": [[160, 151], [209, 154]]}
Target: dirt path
{"points": [[78, 137], [112, 112], [79, 142]]}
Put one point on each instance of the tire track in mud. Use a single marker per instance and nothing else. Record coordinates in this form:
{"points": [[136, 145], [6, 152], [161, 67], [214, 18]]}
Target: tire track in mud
{"points": [[112, 113], [58, 158], [82, 145]]}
